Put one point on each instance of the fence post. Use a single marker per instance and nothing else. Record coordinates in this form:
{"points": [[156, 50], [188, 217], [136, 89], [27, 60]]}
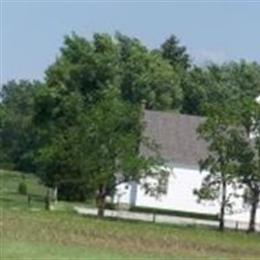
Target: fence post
{"points": [[29, 198], [237, 225], [154, 217], [47, 200]]}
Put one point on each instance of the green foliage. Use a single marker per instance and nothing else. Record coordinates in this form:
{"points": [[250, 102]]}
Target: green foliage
{"points": [[232, 132], [220, 131], [74, 190], [89, 67], [195, 87], [114, 134], [217, 85], [88, 147], [84, 122], [209, 189], [18, 138], [175, 54], [85, 66], [147, 76], [247, 146], [22, 188], [59, 120]]}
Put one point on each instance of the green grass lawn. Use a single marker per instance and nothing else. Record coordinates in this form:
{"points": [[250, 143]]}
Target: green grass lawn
{"points": [[9, 197], [37, 234]]}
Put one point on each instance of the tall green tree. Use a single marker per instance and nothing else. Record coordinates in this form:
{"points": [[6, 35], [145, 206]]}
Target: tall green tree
{"points": [[60, 123], [95, 147], [219, 84], [18, 136], [233, 135], [248, 153], [85, 66], [3, 157], [195, 92], [175, 53], [90, 66], [147, 76], [75, 87], [114, 135], [220, 163]]}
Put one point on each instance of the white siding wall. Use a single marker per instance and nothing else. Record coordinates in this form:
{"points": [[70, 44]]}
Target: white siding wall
{"points": [[181, 184], [123, 194], [180, 193]]}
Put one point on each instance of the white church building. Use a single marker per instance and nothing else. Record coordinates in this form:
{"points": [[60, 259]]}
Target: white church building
{"points": [[181, 149]]}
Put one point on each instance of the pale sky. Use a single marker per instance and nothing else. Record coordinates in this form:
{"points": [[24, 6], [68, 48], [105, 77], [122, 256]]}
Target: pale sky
{"points": [[33, 31]]}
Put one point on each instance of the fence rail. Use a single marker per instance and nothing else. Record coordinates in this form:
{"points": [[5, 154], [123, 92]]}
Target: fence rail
{"points": [[158, 218]]}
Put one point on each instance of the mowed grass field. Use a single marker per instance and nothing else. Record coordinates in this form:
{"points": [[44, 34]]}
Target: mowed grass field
{"points": [[33, 233]]}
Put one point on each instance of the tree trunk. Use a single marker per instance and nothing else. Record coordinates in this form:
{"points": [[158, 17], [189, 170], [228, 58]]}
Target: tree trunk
{"points": [[101, 207], [47, 199], [100, 201], [254, 205], [223, 207]]}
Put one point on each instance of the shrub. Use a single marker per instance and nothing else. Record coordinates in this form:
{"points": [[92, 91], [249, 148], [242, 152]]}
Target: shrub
{"points": [[22, 188], [74, 191], [110, 205]]}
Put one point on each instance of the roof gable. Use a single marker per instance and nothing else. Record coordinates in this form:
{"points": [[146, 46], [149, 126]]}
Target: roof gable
{"points": [[176, 135]]}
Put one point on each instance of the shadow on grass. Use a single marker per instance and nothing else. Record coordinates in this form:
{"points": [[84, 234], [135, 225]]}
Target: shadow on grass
{"points": [[35, 197], [163, 225], [6, 200]]}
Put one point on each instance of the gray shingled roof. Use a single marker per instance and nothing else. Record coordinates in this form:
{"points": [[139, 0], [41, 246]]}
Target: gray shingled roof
{"points": [[176, 136]]}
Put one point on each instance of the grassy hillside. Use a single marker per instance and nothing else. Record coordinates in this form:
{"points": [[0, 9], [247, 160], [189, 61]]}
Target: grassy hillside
{"points": [[37, 234], [9, 196]]}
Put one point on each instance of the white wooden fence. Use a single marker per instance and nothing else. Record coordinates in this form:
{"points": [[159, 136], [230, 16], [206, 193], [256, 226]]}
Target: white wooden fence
{"points": [[159, 218]]}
